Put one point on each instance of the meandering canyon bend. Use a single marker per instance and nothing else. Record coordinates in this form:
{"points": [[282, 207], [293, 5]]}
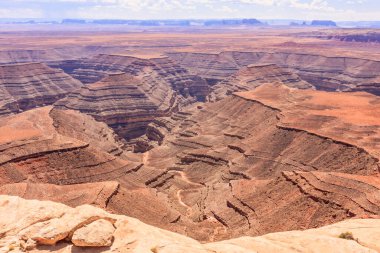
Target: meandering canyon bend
{"points": [[227, 138]]}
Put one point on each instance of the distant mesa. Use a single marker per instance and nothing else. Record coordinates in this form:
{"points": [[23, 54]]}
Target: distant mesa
{"points": [[231, 22], [323, 23], [370, 37], [164, 22], [293, 23], [73, 21]]}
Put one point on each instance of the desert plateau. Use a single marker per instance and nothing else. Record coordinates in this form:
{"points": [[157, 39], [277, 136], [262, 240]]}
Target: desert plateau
{"points": [[212, 135]]}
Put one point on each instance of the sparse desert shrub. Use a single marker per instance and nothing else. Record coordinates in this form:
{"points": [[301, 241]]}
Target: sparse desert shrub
{"points": [[347, 236], [154, 249]]}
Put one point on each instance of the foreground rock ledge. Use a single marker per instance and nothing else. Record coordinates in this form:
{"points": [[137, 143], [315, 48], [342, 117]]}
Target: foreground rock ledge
{"points": [[44, 226]]}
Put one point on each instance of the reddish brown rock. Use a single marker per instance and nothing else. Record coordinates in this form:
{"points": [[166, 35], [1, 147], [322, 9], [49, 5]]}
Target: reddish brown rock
{"points": [[254, 140], [323, 72], [29, 85], [160, 71], [252, 76], [124, 102], [36, 149], [196, 181]]}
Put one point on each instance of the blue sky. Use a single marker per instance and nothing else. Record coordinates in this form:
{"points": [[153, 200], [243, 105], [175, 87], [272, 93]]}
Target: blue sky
{"points": [[177, 9]]}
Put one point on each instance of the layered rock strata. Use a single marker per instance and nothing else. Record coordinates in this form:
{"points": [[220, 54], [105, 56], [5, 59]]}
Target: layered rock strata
{"points": [[268, 160], [29, 85], [325, 73], [67, 156], [124, 102], [58, 147], [252, 76], [97, 193], [165, 70], [273, 159]]}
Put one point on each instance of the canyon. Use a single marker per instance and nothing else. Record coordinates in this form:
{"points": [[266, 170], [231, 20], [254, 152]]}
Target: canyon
{"points": [[325, 73], [234, 140], [29, 85]]}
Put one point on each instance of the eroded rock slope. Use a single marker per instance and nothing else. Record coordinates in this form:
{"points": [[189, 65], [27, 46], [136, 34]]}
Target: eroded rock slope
{"points": [[124, 102], [58, 147], [67, 156], [163, 71], [268, 160], [325, 73], [29, 85], [252, 76], [273, 159]]}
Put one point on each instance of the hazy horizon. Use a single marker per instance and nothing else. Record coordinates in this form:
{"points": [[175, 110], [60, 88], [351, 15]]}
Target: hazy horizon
{"points": [[337, 10]]}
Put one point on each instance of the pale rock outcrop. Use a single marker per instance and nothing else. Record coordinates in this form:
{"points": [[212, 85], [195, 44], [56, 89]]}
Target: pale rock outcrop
{"points": [[96, 234], [82, 228]]}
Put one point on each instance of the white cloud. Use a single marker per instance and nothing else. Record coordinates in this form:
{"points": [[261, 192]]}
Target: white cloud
{"points": [[297, 9]]}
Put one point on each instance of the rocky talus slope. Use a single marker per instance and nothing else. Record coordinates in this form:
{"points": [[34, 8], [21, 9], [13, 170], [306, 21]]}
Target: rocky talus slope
{"points": [[29, 85], [43, 226], [325, 73], [252, 76]]}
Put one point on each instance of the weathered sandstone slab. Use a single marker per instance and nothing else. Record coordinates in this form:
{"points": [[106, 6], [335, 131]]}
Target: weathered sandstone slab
{"points": [[131, 235]]}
